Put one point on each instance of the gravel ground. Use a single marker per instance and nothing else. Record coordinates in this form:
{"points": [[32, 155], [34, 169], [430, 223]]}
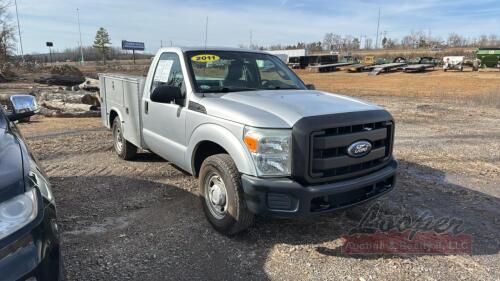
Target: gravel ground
{"points": [[141, 220]]}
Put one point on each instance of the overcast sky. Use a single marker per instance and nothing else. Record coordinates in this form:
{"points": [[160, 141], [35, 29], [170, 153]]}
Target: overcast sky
{"points": [[230, 21]]}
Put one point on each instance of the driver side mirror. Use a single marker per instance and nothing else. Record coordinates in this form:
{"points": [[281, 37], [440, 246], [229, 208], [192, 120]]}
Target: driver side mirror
{"points": [[311, 87], [166, 94], [23, 106]]}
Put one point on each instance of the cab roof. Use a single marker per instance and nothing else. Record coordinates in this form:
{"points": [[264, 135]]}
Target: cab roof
{"points": [[209, 48]]}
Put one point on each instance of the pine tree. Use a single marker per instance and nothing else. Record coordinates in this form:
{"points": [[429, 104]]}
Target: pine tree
{"points": [[101, 42]]}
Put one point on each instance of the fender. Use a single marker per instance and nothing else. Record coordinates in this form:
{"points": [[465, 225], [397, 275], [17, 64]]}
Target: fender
{"points": [[224, 138], [118, 112]]}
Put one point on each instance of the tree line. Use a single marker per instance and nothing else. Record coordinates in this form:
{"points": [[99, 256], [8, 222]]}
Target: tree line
{"points": [[101, 50], [414, 40]]}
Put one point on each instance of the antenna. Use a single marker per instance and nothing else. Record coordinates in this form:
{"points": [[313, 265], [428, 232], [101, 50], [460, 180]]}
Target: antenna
{"points": [[19, 30], [206, 33], [378, 25]]}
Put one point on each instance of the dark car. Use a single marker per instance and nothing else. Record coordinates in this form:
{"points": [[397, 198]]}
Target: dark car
{"points": [[29, 243]]}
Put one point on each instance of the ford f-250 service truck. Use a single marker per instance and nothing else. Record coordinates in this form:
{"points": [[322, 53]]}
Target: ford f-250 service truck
{"points": [[260, 141]]}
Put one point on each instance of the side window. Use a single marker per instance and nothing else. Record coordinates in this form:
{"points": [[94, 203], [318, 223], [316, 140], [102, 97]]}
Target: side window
{"points": [[168, 72]]}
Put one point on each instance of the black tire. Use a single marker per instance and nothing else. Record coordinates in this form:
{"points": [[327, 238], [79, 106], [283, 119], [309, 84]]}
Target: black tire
{"points": [[237, 217], [25, 120], [124, 149]]}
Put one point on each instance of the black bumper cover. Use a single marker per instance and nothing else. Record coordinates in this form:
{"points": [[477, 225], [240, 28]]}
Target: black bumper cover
{"points": [[287, 198], [34, 254]]}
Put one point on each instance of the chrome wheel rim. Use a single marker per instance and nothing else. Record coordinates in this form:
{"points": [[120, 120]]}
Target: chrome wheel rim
{"points": [[117, 132], [216, 196]]}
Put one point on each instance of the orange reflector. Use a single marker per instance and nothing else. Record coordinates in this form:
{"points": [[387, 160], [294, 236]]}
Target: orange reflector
{"points": [[251, 143]]}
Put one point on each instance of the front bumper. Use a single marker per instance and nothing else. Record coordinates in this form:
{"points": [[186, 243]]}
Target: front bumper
{"points": [[287, 198], [34, 255]]}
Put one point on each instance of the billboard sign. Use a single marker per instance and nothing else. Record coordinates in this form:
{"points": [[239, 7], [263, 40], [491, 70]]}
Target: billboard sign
{"points": [[129, 45]]}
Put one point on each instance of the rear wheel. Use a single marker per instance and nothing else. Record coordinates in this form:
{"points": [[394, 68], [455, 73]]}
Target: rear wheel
{"points": [[123, 148], [221, 195]]}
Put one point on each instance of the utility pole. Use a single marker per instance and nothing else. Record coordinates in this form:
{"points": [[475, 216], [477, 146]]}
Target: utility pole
{"points": [[19, 30], [251, 39], [206, 33], [82, 61], [50, 45], [378, 26], [161, 44]]}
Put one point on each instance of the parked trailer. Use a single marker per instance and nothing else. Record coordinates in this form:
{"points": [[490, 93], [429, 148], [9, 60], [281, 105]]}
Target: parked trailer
{"points": [[355, 67], [327, 67], [305, 61], [490, 57], [453, 62], [417, 67], [422, 65], [285, 55], [388, 67]]}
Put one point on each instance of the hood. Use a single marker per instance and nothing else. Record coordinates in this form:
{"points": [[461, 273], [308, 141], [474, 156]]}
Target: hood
{"points": [[279, 108], [11, 166]]}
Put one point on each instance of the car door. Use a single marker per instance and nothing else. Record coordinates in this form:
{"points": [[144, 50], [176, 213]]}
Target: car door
{"points": [[164, 124]]}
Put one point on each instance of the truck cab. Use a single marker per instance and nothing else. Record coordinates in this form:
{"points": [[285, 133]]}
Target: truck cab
{"points": [[260, 141]]}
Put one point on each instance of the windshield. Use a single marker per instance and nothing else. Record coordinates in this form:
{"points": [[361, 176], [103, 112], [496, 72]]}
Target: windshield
{"points": [[231, 71]]}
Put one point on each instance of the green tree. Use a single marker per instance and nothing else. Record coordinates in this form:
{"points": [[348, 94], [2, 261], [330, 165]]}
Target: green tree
{"points": [[102, 42]]}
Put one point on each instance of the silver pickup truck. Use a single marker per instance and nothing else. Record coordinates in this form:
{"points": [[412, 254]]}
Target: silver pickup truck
{"points": [[260, 141]]}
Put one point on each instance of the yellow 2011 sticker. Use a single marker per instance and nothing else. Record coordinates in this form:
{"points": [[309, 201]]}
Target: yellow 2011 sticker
{"points": [[205, 58]]}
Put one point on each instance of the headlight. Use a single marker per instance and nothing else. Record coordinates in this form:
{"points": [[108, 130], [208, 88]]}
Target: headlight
{"points": [[18, 212], [270, 149]]}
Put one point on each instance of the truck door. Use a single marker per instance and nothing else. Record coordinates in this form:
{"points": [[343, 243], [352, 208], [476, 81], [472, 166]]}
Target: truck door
{"points": [[164, 124]]}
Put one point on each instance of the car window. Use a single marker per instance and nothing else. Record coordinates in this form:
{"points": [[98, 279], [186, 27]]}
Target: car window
{"points": [[168, 72]]}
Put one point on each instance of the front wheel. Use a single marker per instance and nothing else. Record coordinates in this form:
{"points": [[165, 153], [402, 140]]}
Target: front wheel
{"points": [[221, 195], [123, 148]]}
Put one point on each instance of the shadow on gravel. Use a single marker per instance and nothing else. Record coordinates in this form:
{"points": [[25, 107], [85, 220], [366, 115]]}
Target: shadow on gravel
{"points": [[148, 157], [117, 228], [423, 202]]}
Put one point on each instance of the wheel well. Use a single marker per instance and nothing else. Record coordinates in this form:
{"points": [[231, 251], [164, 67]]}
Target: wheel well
{"points": [[112, 116], [204, 150]]}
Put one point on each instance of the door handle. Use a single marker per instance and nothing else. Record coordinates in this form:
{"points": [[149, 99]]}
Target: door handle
{"points": [[146, 107]]}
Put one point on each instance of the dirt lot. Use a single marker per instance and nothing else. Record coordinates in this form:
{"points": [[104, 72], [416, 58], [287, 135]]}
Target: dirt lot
{"points": [[141, 221]]}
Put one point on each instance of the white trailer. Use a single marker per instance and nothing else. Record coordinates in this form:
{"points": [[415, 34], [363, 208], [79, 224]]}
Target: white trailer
{"points": [[453, 62], [284, 55]]}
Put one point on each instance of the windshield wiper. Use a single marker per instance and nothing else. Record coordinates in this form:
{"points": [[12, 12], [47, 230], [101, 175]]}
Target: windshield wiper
{"points": [[228, 90], [285, 88]]}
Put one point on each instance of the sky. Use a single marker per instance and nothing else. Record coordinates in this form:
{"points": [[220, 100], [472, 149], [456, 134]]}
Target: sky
{"points": [[230, 23]]}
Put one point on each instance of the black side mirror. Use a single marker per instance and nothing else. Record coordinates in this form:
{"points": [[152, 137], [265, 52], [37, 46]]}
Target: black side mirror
{"points": [[310, 87], [166, 94], [23, 106]]}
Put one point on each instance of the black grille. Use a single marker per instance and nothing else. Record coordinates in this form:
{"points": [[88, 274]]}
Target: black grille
{"points": [[329, 159]]}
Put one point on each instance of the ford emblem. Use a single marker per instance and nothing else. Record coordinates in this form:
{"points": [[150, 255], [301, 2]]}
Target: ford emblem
{"points": [[359, 148]]}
